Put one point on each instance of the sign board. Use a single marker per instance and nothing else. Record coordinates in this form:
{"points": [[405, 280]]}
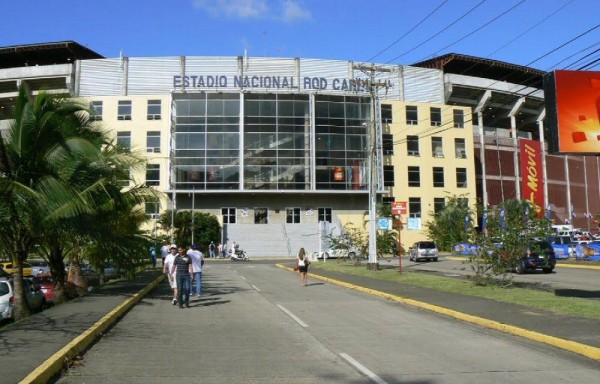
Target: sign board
{"points": [[399, 208], [384, 223]]}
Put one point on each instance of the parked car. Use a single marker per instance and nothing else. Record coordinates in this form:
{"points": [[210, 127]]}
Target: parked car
{"points": [[333, 253], [39, 267], [423, 250], [540, 255], [35, 298], [8, 267], [44, 283], [588, 250]]}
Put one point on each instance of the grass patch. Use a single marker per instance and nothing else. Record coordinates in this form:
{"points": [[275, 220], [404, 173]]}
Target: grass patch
{"points": [[523, 296]]}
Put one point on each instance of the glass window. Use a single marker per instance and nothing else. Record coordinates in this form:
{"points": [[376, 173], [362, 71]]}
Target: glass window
{"points": [[435, 114], [437, 148], [152, 208], [412, 143], [292, 215], [96, 110], [412, 115], [460, 149], [153, 111], [388, 144], [153, 141], [124, 139], [152, 175], [228, 215], [388, 176], [124, 110], [461, 177], [438, 204], [261, 216], [438, 177], [414, 207], [414, 177], [386, 113], [325, 214], [459, 118]]}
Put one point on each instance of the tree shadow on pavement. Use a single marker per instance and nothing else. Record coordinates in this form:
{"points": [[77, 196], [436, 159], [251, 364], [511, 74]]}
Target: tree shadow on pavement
{"points": [[577, 293]]}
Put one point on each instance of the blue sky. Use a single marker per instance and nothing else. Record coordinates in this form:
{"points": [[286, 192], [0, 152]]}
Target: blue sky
{"points": [[411, 30]]}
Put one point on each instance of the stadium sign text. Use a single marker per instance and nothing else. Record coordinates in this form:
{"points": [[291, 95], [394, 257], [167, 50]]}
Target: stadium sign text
{"points": [[277, 82]]}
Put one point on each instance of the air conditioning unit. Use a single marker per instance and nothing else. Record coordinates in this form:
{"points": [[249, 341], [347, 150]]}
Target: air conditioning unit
{"points": [[154, 117], [153, 149], [95, 117], [436, 123], [462, 154], [124, 117], [459, 125], [413, 153], [411, 122]]}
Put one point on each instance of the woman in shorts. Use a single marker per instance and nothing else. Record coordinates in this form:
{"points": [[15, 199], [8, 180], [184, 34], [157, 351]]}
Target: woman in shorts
{"points": [[302, 264]]}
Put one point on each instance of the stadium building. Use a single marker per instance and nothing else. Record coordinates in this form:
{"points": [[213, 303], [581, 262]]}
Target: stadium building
{"points": [[279, 148]]}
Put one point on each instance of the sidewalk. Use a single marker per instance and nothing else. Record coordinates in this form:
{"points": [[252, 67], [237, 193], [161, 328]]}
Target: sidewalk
{"points": [[30, 343]]}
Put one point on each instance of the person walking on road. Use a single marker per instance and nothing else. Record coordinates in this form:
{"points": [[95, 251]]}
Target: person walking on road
{"points": [[211, 250], [197, 263], [219, 250], [302, 264], [183, 266], [167, 266], [164, 252]]}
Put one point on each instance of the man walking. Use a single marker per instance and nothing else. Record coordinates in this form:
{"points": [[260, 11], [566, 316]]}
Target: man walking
{"points": [[167, 266], [197, 263], [164, 252], [183, 266], [211, 250]]}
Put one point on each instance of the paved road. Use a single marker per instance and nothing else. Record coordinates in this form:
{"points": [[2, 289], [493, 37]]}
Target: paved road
{"points": [[257, 325]]}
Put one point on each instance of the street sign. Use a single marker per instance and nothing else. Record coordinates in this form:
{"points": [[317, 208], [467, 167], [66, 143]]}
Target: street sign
{"points": [[384, 223], [399, 208]]}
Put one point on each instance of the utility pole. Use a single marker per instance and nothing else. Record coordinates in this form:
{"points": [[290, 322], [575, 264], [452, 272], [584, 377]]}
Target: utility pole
{"points": [[375, 122]]}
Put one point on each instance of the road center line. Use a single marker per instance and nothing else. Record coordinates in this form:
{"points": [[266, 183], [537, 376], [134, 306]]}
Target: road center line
{"points": [[255, 287], [363, 369], [290, 314]]}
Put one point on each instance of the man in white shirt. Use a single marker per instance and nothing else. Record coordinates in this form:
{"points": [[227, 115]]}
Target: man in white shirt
{"points": [[167, 265], [197, 263], [164, 252]]}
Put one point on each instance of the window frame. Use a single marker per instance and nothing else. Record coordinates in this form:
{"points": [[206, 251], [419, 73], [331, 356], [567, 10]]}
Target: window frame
{"points": [[388, 176], [435, 116], [437, 172], [293, 215], [96, 110], [152, 104], [152, 135], [122, 107], [151, 169], [437, 142], [229, 215], [412, 171], [412, 141], [458, 118], [460, 174], [387, 113], [410, 118], [325, 214], [413, 203]]}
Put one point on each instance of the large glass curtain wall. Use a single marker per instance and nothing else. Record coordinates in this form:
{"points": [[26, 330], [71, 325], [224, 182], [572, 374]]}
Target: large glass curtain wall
{"points": [[206, 133], [342, 140], [276, 139]]}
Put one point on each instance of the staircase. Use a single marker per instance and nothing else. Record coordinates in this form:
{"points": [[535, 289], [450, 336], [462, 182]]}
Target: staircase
{"points": [[273, 240]]}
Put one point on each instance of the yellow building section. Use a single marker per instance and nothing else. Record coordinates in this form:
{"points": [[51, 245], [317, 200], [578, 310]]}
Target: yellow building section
{"points": [[429, 149]]}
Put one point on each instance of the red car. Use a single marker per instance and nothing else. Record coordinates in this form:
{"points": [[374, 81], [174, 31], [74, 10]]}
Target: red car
{"points": [[44, 283]]}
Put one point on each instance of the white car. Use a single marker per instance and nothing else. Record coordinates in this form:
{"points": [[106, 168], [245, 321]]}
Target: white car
{"points": [[35, 298], [335, 253]]}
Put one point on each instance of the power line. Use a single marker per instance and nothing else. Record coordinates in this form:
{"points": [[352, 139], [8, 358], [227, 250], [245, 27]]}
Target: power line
{"points": [[412, 29], [479, 28], [438, 33]]}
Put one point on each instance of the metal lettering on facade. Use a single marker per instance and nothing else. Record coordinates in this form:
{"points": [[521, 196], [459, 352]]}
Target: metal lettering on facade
{"points": [[277, 82]]}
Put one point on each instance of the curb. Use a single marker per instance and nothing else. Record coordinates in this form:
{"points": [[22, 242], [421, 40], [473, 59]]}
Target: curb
{"points": [[571, 346], [54, 364]]}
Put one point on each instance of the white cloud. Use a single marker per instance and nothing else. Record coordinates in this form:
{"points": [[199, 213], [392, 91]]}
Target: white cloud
{"points": [[292, 12], [235, 9]]}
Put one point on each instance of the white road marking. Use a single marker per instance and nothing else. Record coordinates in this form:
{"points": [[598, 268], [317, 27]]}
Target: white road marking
{"points": [[255, 287], [290, 314], [363, 369], [242, 277]]}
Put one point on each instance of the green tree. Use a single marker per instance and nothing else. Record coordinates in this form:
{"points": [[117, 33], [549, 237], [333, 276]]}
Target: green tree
{"points": [[512, 228], [206, 227], [452, 225]]}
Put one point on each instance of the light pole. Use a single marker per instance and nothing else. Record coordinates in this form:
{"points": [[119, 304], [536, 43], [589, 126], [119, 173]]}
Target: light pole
{"points": [[193, 206]]}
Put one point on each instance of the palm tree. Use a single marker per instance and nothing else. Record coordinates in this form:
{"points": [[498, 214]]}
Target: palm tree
{"points": [[56, 169]]}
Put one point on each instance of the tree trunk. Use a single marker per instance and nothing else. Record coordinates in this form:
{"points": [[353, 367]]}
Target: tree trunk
{"points": [[57, 270], [22, 309], [75, 277]]}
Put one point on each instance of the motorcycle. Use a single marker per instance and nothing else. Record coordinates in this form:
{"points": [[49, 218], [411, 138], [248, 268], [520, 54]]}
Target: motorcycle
{"points": [[238, 255]]}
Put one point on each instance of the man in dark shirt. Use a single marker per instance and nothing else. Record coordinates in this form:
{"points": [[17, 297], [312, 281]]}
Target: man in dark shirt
{"points": [[183, 266]]}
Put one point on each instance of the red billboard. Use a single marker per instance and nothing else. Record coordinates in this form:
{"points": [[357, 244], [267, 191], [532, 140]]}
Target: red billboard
{"points": [[532, 175], [573, 111]]}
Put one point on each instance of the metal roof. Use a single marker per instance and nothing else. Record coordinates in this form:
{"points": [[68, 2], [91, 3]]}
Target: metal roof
{"points": [[62, 52], [485, 68]]}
